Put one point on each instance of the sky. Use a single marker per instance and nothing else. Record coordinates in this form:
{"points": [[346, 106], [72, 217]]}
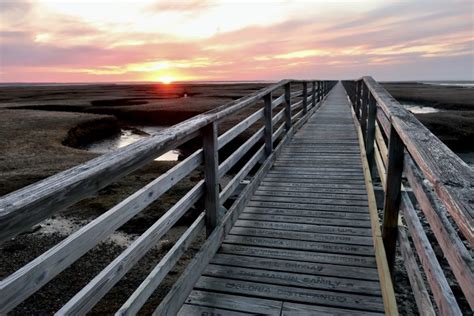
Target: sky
{"points": [[180, 40]]}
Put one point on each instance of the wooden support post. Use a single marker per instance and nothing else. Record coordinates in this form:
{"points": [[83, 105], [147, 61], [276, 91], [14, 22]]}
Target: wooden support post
{"points": [[305, 98], [268, 124], [313, 93], [358, 95], [211, 176], [288, 106], [319, 91], [363, 117], [392, 196], [370, 137]]}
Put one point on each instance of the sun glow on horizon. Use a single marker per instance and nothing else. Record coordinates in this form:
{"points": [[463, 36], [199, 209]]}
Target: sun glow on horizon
{"points": [[166, 79]]}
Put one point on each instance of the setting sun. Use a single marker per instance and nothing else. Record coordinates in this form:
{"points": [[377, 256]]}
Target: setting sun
{"points": [[166, 79]]}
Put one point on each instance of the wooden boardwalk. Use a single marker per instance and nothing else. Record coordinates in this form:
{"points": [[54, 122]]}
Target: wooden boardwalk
{"points": [[303, 244], [302, 237]]}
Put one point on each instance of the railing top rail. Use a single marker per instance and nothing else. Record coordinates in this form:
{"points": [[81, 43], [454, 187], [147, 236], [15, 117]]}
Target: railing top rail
{"points": [[452, 178], [70, 186]]}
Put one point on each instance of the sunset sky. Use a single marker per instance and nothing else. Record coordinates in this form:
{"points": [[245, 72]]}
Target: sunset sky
{"points": [[150, 40]]}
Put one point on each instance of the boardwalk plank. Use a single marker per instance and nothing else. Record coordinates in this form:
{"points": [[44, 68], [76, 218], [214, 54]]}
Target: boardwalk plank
{"points": [[233, 302], [304, 241], [330, 298], [296, 266], [294, 279], [302, 236]]}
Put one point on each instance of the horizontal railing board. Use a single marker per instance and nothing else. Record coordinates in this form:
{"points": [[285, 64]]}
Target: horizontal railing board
{"points": [[25, 281], [154, 278], [451, 177], [227, 164], [455, 252], [235, 182], [83, 301], [228, 136], [23, 208]]}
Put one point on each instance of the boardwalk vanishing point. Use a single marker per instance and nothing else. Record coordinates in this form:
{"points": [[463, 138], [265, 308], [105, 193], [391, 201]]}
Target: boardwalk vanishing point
{"points": [[297, 231]]}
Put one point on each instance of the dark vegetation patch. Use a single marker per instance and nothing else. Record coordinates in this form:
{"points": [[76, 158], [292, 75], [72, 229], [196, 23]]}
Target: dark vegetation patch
{"points": [[454, 128], [91, 131]]}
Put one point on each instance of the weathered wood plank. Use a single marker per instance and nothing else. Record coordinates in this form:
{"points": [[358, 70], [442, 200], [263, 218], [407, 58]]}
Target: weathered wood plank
{"points": [[23, 208], [302, 236], [290, 309], [417, 283], [388, 293], [85, 299], [235, 131], [211, 175], [227, 164], [452, 179], [181, 289], [315, 190], [188, 309], [289, 278], [456, 253], [442, 293], [268, 191], [392, 196], [296, 266], [278, 101], [305, 206], [233, 302], [330, 298], [235, 182], [288, 122], [268, 133], [305, 213], [296, 244], [317, 228], [301, 200], [25, 281], [154, 278]]}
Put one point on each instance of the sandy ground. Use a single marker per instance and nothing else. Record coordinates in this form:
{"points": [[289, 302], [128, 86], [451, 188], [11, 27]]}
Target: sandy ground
{"points": [[42, 130]]}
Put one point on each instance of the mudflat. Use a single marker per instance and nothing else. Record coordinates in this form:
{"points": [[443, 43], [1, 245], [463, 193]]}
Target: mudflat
{"points": [[454, 121]]}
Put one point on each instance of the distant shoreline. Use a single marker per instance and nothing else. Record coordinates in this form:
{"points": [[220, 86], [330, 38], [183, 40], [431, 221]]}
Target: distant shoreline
{"points": [[455, 83]]}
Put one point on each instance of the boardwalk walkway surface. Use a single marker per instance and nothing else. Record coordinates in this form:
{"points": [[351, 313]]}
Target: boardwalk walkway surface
{"points": [[304, 242]]}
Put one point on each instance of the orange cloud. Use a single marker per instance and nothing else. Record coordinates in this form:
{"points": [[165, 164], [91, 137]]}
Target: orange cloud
{"points": [[222, 40]]}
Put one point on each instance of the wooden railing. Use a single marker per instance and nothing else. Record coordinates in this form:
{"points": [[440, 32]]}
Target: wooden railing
{"points": [[26, 207], [405, 153]]}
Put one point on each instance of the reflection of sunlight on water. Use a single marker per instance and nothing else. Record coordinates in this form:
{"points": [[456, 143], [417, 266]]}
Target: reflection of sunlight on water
{"points": [[419, 109], [127, 137]]}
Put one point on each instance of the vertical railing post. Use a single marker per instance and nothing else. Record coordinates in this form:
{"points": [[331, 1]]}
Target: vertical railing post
{"points": [[211, 175], [268, 133], [370, 138], [392, 195], [358, 95], [319, 90], [363, 117], [288, 106], [305, 98], [313, 93]]}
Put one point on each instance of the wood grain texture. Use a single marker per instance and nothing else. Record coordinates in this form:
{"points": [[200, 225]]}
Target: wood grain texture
{"points": [[452, 179], [85, 299], [211, 175], [154, 278], [22, 209], [25, 281]]}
